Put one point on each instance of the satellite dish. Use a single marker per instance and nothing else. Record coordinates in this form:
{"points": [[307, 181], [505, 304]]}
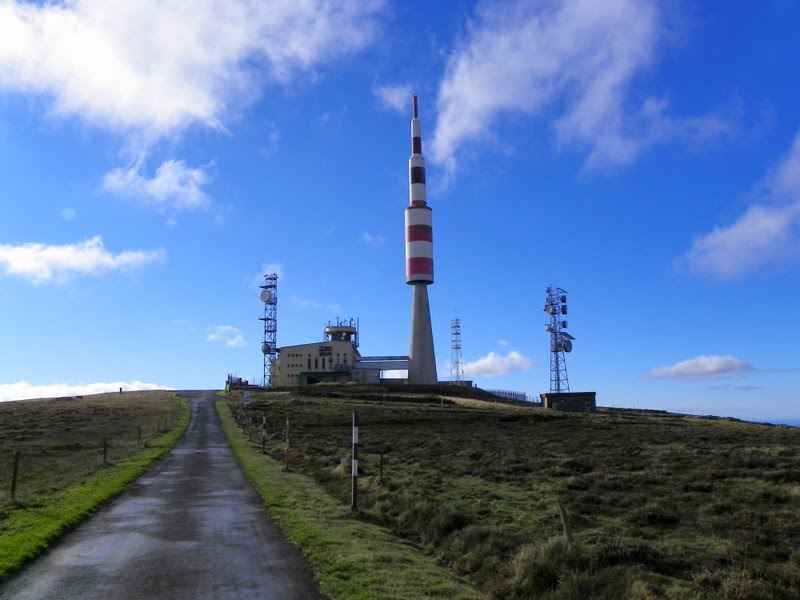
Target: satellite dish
{"points": [[566, 336], [266, 296], [265, 348], [567, 346], [563, 299], [557, 347], [549, 328], [564, 324]]}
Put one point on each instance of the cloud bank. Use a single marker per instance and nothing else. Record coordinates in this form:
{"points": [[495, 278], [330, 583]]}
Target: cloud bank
{"points": [[494, 365], [571, 61], [22, 390], [158, 66], [40, 263], [704, 367]]}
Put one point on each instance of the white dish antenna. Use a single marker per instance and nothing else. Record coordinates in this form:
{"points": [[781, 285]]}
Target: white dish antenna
{"points": [[266, 296], [266, 348]]}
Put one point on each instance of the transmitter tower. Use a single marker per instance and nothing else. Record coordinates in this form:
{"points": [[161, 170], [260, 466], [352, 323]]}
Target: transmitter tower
{"points": [[456, 360], [419, 262], [269, 347], [560, 340]]}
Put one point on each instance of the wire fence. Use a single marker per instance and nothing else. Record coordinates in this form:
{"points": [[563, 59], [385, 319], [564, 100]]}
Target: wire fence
{"points": [[41, 467], [571, 516]]}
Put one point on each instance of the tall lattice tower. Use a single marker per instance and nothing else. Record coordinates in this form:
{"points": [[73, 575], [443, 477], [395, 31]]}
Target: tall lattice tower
{"points": [[456, 360], [560, 340], [269, 347]]}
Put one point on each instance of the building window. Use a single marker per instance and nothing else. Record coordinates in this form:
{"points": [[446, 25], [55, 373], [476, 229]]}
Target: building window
{"points": [[316, 364]]}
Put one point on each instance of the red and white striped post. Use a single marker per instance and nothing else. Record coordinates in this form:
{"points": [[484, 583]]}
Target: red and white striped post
{"points": [[354, 478], [286, 451]]}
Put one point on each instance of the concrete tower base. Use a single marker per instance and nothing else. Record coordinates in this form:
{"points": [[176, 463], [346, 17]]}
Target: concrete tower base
{"points": [[422, 366]]}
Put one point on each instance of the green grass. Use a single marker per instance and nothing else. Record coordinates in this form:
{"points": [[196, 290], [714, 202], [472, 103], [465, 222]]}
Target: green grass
{"points": [[63, 479], [353, 559], [660, 505]]}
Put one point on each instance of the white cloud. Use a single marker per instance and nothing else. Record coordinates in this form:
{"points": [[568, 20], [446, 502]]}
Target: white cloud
{"points": [[174, 186], [503, 343], [494, 365], [228, 335], [704, 367], [765, 235], [571, 61], [68, 214], [314, 304], [374, 240], [22, 390], [156, 66], [394, 97], [40, 262]]}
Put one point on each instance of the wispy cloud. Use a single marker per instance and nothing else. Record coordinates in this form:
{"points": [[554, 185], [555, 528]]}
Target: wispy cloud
{"points": [[494, 365], [314, 304], [766, 235], [175, 186], [228, 335], [727, 387], [704, 367], [374, 240], [22, 390], [573, 61], [157, 66], [41, 262], [68, 214], [394, 97]]}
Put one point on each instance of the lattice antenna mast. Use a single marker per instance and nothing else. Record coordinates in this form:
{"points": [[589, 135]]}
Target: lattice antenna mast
{"points": [[269, 347], [456, 360], [560, 340]]}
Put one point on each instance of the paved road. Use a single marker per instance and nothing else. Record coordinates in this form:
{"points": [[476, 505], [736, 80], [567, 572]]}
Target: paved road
{"points": [[190, 529]]}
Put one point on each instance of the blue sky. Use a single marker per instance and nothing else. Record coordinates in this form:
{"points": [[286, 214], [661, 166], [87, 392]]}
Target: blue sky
{"points": [[157, 158]]}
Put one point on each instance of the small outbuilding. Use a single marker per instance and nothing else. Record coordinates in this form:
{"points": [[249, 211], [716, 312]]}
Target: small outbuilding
{"points": [[583, 402]]}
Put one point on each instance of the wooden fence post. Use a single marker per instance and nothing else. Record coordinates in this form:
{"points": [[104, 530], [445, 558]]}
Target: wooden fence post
{"points": [[354, 476], [286, 451], [564, 523], [14, 474]]}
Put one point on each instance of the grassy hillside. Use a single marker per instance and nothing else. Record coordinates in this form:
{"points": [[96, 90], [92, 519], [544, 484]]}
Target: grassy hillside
{"points": [[62, 476], [659, 506]]}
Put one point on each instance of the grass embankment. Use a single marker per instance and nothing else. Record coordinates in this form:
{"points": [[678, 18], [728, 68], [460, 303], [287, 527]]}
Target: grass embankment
{"points": [[660, 506], [62, 477], [353, 559]]}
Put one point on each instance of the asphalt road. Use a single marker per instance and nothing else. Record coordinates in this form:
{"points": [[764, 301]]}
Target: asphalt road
{"points": [[192, 528]]}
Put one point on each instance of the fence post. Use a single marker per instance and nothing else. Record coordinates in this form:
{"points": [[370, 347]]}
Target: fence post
{"points": [[263, 442], [354, 476], [105, 451], [286, 451], [564, 523], [139, 437], [14, 474]]}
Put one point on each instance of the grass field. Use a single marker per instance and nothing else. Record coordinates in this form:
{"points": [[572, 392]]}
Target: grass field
{"points": [[62, 473], [659, 506]]}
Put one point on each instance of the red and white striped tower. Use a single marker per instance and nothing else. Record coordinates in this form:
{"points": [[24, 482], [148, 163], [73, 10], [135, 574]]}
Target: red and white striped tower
{"points": [[419, 262]]}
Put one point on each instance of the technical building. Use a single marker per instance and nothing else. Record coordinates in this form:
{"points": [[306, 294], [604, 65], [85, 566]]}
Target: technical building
{"points": [[336, 359]]}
